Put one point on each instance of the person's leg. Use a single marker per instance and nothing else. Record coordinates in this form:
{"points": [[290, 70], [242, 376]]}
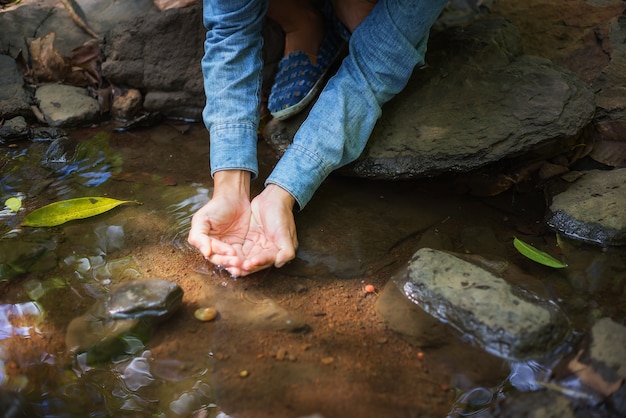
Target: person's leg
{"points": [[352, 12], [302, 23], [384, 50], [310, 49]]}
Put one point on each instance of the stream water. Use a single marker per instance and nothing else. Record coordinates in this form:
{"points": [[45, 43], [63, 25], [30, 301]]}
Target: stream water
{"points": [[302, 340]]}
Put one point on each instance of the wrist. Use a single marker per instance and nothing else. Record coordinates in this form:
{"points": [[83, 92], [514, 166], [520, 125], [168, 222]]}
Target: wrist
{"points": [[232, 182], [279, 194]]}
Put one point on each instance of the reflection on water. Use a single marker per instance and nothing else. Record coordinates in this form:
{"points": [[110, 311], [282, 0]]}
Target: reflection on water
{"points": [[19, 320], [186, 202], [351, 230]]}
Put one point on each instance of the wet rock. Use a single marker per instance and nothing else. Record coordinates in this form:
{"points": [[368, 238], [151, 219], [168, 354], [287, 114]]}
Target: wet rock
{"points": [[535, 405], [14, 99], [504, 320], [136, 58], [63, 105], [146, 298], [592, 209], [480, 100], [126, 103], [606, 353], [611, 84], [14, 129], [127, 312], [47, 133], [28, 253]]}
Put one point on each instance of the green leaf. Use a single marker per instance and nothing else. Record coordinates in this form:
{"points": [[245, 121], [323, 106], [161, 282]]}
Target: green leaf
{"points": [[13, 203], [68, 210], [536, 255]]}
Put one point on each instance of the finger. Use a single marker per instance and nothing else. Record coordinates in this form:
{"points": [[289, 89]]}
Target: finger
{"points": [[201, 242], [260, 261], [246, 271], [287, 250], [226, 261], [221, 247]]}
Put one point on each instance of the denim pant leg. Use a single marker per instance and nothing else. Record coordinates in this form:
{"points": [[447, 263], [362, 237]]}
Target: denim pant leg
{"points": [[232, 72], [384, 50]]}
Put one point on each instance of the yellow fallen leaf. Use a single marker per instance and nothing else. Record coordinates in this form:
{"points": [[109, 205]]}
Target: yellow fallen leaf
{"points": [[58, 213]]}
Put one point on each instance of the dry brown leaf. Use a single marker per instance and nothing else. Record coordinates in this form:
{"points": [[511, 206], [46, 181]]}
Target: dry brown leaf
{"points": [[48, 64], [85, 61]]}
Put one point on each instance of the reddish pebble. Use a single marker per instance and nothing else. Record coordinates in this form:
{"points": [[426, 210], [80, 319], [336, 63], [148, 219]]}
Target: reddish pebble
{"points": [[420, 355], [369, 288]]}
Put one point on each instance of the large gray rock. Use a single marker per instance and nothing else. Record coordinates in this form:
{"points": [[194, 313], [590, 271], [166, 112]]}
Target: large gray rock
{"points": [[479, 101], [63, 105], [14, 99], [502, 319], [161, 54], [610, 87], [23, 22], [14, 129], [593, 208]]}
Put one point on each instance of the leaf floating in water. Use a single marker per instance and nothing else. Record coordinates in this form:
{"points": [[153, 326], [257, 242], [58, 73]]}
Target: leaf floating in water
{"points": [[68, 210], [536, 255], [13, 203]]}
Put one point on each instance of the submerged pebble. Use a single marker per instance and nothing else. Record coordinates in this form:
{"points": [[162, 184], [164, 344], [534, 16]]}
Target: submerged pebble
{"points": [[205, 314]]}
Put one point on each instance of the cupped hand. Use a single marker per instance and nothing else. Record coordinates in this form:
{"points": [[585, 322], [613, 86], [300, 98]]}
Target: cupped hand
{"points": [[219, 228], [271, 238]]}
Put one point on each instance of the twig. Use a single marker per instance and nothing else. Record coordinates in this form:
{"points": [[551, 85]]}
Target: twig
{"points": [[71, 6]]}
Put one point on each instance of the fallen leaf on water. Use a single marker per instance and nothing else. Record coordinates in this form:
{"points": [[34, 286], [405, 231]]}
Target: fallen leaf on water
{"points": [[536, 255], [68, 210], [13, 203]]}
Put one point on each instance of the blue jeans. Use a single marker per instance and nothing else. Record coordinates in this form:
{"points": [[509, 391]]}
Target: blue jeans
{"points": [[383, 52]]}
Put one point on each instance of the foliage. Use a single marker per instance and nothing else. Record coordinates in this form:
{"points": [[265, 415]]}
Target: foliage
{"points": [[536, 255], [13, 203], [67, 210]]}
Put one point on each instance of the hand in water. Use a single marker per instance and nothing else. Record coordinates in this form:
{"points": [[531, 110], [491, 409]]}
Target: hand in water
{"points": [[243, 236], [271, 238], [219, 228]]}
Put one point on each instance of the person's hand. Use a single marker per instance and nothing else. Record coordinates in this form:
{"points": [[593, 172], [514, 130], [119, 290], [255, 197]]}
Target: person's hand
{"points": [[219, 228], [271, 238]]}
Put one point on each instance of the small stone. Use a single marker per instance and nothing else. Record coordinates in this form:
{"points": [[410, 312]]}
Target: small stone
{"points": [[281, 353], [126, 104], [328, 360], [244, 373], [205, 314]]}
